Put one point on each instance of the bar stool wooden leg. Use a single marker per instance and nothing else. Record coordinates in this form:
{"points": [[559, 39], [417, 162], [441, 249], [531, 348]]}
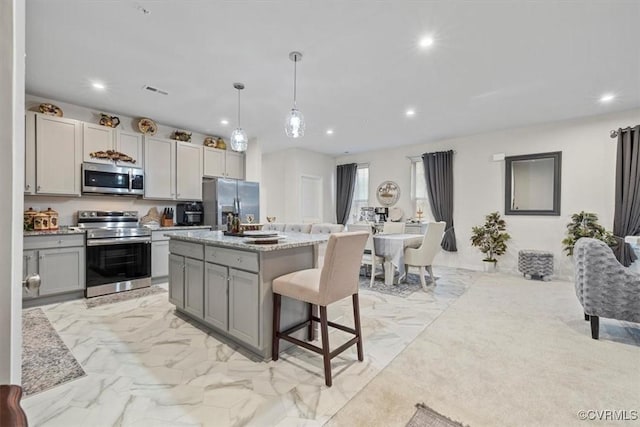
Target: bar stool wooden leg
{"points": [[356, 321], [326, 356], [275, 344], [310, 334]]}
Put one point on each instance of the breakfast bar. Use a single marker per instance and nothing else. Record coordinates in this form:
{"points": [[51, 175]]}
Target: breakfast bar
{"points": [[224, 282]]}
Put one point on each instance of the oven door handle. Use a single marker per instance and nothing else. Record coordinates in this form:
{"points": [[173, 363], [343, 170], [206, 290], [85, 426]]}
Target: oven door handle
{"points": [[117, 241]]}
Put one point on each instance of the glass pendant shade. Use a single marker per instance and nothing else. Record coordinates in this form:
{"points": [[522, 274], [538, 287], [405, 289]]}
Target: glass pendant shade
{"points": [[239, 140], [294, 126]]}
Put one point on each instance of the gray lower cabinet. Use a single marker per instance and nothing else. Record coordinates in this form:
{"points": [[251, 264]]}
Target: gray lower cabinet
{"points": [[186, 278], [193, 287], [232, 302], [159, 259], [58, 259], [176, 280], [244, 306], [61, 270], [216, 291]]}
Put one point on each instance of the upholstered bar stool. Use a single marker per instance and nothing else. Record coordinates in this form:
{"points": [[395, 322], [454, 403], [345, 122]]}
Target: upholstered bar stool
{"points": [[337, 279]]}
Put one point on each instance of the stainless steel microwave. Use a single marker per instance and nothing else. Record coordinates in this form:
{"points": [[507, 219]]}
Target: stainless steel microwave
{"points": [[112, 179]]}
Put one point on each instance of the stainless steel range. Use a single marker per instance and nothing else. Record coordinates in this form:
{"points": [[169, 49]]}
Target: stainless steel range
{"points": [[118, 252]]}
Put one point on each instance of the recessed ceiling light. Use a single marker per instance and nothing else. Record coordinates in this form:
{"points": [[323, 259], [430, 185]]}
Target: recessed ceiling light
{"points": [[98, 86], [607, 97], [426, 42], [329, 131], [410, 112], [224, 122]]}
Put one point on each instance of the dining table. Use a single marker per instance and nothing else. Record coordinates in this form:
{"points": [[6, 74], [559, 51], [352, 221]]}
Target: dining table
{"points": [[391, 247]]}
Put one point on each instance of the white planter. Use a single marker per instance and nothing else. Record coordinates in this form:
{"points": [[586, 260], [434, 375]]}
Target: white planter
{"points": [[489, 266]]}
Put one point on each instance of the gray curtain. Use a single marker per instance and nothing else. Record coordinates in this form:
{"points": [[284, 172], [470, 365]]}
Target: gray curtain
{"points": [[626, 219], [345, 183], [438, 174]]}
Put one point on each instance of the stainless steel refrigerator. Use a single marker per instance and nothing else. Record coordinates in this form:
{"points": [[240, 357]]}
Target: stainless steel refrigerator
{"points": [[221, 196]]}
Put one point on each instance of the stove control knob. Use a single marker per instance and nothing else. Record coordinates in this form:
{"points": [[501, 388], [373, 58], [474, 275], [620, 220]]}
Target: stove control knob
{"points": [[93, 214], [83, 214]]}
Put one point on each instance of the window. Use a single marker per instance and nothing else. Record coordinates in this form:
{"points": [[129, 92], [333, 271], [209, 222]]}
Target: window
{"points": [[419, 195], [360, 193]]}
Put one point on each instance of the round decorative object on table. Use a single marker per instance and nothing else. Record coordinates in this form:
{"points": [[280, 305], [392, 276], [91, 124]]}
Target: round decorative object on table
{"points": [[388, 193], [50, 110], [147, 126], [395, 214]]}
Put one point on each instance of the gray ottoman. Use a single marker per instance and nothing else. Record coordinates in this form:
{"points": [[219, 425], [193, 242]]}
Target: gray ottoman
{"points": [[534, 263]]}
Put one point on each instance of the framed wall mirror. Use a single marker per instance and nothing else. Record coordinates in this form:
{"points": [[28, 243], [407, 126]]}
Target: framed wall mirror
{"points": [[532, 184]]}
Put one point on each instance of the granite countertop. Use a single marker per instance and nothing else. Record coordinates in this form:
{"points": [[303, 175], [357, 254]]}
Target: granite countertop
{"points": [[181, 227], [63, 230], [217, 238]]}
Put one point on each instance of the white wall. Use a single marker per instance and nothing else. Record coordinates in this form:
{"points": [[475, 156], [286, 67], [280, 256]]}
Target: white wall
{"points": [[67, 207], [282, 172], [12, 38], [588, 165]]}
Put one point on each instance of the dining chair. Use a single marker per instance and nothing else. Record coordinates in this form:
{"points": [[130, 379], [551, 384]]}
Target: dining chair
{"points": [[393, 227], [423, 256], [337, 279], [369, 257]]}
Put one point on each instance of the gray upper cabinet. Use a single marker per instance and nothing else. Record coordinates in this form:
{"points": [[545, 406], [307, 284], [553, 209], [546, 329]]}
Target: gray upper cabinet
{"points": [[58, 154], [223, 163]]}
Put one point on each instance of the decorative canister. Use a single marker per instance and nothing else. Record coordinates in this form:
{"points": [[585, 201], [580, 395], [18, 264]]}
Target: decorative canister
{"points": [[28, 219], [53, 218], [41, 221]]}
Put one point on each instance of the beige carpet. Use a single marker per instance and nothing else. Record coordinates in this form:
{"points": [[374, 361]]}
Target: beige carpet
{"points": [[508, 352]]}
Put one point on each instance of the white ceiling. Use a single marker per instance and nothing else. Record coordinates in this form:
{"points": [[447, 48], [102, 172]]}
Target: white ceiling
{"points": [[494, 64]]}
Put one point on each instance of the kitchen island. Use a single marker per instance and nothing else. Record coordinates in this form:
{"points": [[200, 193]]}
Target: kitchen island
{"points": [[224, 282]]}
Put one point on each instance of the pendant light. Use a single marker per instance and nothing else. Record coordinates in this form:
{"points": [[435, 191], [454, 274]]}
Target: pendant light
{"points": [[294, 126], [239, 138]]}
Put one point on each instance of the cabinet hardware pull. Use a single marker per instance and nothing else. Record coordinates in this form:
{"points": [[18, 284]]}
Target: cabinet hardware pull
{"points": [[38, 188], [28, 186]]}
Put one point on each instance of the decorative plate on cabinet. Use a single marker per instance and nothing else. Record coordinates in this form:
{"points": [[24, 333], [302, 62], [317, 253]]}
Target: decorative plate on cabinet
{"points": [[147, 126], [50, 110]]}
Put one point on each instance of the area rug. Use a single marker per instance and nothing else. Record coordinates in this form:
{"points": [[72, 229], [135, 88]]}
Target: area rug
{"points": [[427, 417], [46, 360], [403, 289], [123, 296]]}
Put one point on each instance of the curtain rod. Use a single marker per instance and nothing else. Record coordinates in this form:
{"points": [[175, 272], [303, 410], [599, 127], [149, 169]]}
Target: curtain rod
{"points": [[420, 155], [614, 133]]}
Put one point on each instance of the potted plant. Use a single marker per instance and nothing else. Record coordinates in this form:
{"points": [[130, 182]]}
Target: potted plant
{"points": [[585, 224], [491, 239]]}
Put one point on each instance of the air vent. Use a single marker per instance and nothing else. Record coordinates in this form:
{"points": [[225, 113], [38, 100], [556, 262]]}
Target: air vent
{"points": [[155, 90]]}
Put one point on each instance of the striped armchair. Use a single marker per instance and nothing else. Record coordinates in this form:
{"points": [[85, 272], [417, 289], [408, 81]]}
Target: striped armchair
{"points": [[604, 287]]}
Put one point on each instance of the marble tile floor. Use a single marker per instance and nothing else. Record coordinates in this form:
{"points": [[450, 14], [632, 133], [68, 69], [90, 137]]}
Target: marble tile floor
{"points": [[509, 352], [147, 366]]}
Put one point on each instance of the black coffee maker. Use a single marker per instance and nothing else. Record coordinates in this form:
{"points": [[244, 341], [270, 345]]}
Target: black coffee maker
{"points": [[382, 214], [189, 213]]}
